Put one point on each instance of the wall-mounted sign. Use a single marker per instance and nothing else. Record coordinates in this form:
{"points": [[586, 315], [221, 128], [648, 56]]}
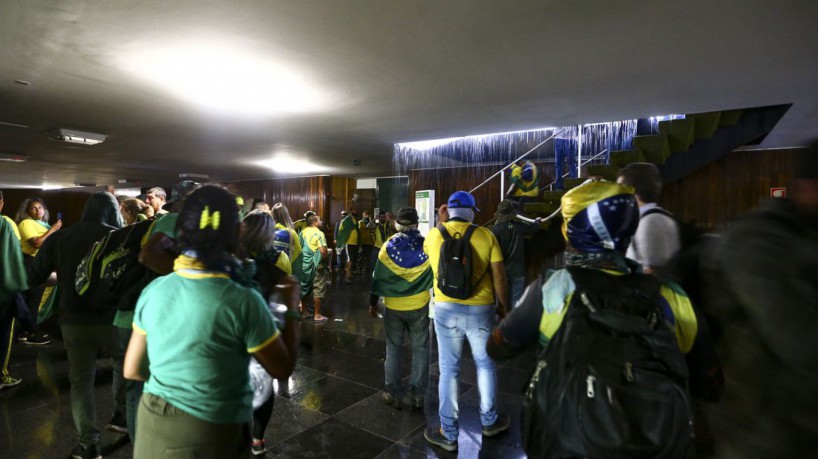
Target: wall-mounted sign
{"points": [[425, 205], [778, 192]]}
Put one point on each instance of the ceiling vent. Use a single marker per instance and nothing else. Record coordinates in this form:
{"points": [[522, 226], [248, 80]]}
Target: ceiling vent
{"points": [[80, 137]]}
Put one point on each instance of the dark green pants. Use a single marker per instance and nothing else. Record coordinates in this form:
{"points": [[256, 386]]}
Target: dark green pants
{"points": [[162, 430], [82, 344]]}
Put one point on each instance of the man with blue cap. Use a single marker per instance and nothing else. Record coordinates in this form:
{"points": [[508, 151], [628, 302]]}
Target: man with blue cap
{"points": [[471, 318]]}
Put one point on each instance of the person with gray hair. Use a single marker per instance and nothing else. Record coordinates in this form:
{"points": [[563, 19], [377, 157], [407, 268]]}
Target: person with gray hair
{"points": [[657, 239], [403, 276], [156, 198]]}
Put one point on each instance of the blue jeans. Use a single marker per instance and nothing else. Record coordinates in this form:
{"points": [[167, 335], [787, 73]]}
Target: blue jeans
{"points": [[396, 324], [516, 287], [454, 323]]}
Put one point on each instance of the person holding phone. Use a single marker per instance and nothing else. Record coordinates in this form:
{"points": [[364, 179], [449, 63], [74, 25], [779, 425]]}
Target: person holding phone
{"points": [[32, 223]]}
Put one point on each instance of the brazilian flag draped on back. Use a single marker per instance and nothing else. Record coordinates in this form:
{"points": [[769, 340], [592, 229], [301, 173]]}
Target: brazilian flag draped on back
{"points": [[348, 225], [402, 268]]}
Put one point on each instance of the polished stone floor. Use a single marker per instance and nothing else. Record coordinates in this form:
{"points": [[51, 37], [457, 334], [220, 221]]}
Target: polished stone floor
{"points": [[332, 408]]}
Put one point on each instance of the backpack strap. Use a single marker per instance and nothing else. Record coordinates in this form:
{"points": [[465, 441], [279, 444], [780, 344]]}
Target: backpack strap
{"points": [[657, 210], [466, 238], [443, 232]]}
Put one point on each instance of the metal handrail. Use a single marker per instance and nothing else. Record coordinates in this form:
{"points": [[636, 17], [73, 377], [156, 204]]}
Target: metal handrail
{"points": [[581, 164], [556, 133]]}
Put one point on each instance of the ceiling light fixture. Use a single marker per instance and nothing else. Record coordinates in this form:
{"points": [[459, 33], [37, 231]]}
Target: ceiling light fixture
{"points": [[80, 137], [13, 158], [227, 78], [288, 164], [192, 175]]}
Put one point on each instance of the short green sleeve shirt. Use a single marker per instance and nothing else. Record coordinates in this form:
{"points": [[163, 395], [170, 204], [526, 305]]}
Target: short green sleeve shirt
{"points": [[201, 328]]}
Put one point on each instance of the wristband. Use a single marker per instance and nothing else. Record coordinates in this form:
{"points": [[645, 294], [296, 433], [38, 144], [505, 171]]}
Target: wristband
{"points": [[292, 314]]}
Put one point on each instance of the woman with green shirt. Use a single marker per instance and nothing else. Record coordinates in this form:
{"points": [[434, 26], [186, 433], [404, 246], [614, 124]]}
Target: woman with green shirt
{"points": [[195, 330]]}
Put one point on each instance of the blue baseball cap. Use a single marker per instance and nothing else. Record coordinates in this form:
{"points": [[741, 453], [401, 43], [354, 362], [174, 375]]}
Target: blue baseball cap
{"points": [[462, 200]]}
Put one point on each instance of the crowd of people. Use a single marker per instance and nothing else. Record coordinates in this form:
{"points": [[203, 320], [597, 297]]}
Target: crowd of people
{"points": [[215, 317]]}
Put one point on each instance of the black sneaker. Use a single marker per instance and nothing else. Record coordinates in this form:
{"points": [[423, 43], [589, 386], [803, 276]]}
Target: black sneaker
{"points": [[500, 425], [92, 452], [37, 339], [391, 400], [436, 437], [118, 424]]}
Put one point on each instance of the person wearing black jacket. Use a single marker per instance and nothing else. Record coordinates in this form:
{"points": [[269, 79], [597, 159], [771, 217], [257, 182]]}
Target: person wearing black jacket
{"points": [[85, 330]]}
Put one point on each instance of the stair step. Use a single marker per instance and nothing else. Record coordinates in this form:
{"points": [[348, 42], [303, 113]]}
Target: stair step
{"points": [[654, 147], [609, 173], [540, 209], [573, 182], [730, 117], [706, 123], [552, 196], [622, 158], [680, 133]]}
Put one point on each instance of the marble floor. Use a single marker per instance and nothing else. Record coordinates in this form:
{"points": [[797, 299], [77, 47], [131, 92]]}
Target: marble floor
{"points": [[332, 408]]}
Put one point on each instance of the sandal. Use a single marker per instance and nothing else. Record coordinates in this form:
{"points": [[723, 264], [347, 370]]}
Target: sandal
{"points": [[320, 319]]}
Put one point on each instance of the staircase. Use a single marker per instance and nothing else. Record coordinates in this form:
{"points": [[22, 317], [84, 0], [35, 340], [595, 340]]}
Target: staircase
{"points": [[680, 147]]}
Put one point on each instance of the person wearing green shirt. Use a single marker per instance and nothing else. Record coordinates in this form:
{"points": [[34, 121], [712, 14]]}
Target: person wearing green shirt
{"points": [[13, 281], [194, 333]]}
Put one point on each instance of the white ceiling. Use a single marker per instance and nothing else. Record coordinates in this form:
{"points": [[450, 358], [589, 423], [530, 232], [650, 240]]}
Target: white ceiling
{"points": [[391, 71]]}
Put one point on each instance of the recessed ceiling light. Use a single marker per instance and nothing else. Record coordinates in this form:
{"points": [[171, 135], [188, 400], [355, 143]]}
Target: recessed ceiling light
{"points": [[286, 163], [226, 79]]}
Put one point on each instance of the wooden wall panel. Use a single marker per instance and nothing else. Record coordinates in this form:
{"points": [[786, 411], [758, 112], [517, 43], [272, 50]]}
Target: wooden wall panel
{"points": [[299, 194], [446, 181], [729, 187]]}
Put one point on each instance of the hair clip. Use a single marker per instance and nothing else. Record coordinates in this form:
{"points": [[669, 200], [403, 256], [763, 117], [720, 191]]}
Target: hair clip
{"points": [[208, 219]]}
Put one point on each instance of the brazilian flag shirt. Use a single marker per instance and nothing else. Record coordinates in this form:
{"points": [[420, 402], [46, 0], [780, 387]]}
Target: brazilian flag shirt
{"points": [[403, 275]]}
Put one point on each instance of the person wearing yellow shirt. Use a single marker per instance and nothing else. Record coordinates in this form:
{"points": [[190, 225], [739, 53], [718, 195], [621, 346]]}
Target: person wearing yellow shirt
{"points": [[458, 320], [315, 259], [600, 218], [525, 186], [34, 229], [349, 237], [403, 276]]}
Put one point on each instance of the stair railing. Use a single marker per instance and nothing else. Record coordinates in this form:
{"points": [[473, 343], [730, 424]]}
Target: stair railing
{"points": [[556, 133], [550, 185]]}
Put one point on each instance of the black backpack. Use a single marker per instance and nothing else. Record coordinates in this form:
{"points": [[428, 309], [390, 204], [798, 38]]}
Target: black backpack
{"points": [[454, 270], [611, 384], [110, 270]]}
